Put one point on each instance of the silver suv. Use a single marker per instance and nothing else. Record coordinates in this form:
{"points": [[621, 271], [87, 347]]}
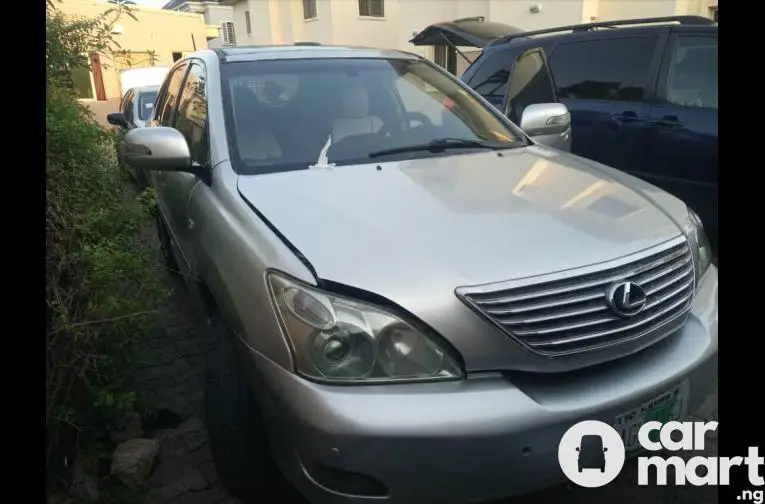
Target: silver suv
{"points": [[411, 300]]}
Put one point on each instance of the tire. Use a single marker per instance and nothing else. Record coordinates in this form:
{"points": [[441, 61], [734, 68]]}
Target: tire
{"points": [[165, 245], [237, 435]]}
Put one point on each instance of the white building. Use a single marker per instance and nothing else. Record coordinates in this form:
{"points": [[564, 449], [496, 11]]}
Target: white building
{"points": [[392, 23], [213, 11]]}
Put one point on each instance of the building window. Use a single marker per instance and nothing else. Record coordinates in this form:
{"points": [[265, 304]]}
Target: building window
{"points": [[309, 9], [371, 8], [227, 33], [247, 27]]}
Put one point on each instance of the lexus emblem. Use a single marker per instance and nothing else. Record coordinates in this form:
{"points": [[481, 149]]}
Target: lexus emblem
{"points": [[626, 299]]}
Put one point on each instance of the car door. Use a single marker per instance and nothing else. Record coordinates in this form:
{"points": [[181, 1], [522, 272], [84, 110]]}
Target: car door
{"points": [[606, 82], [191, 121], [167, 106], [683, 140]]}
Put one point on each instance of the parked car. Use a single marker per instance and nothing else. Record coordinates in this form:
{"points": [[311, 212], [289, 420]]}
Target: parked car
{"points": [[642, 93], [399, 280], [136, 109]]}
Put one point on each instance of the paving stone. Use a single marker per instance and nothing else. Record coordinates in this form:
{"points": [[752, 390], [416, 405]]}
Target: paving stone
{"points": [[207, 469], [209, 496]]}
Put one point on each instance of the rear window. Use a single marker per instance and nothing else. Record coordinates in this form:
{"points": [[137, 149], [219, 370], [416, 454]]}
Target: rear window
{"points": [[146, 104]]}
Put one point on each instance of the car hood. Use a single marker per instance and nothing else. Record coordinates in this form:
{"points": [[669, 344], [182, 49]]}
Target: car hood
{"points": [[458, 220]]}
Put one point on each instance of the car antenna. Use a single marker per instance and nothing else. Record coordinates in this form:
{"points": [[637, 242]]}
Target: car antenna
{"points": [[323, 161]]}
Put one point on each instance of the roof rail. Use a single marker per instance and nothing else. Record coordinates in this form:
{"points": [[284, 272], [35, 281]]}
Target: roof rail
{"points": [[307, 43], [480, 19], [683, 20]]}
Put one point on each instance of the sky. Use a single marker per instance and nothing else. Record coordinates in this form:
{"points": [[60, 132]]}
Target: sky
{"points": [[151, 3]]}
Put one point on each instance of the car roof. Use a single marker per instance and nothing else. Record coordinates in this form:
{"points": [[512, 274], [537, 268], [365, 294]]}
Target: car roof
{"points": [[308, 51], [605, 29]]}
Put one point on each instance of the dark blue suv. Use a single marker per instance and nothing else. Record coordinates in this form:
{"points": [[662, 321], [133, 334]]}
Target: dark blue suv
{"points": [[642, 93]]}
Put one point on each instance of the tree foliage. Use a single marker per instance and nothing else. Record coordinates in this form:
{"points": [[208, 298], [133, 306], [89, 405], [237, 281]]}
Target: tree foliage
{"points": [[103, 281]]}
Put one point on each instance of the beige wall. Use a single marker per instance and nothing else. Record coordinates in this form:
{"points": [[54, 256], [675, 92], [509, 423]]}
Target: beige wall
{"points": [[338, 21], [162, 31]]}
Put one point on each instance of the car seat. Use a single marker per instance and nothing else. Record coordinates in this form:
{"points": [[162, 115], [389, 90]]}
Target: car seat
{"points": [[255, 140], [354, 117]]}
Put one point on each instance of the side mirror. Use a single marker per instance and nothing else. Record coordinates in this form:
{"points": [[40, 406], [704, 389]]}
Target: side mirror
{"points": [[117, 119], [545, 119], [157, 148]]}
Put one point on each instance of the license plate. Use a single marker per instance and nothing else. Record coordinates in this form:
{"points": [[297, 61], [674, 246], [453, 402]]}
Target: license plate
{"points": [[666, 407]]}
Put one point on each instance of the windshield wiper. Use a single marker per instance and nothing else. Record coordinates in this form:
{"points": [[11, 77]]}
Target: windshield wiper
{"points": [[441, 144]]}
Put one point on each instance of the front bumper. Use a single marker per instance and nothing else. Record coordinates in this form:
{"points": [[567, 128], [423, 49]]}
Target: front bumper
{"points": [[486, 437]]}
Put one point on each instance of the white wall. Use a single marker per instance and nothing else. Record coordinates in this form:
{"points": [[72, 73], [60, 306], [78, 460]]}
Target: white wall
{"points": [[338, 21]]}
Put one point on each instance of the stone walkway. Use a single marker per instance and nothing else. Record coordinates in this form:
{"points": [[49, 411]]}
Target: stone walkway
{"points": [[170, 379]]}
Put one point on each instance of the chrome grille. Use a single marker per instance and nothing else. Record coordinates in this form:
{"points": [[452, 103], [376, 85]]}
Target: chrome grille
{"points": [[568, 312]]}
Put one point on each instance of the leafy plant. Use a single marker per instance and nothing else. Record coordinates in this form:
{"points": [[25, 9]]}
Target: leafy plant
{"points": [[103, 281]]}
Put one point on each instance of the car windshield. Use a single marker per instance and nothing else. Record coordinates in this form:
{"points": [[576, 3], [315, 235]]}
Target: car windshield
{"points": [[592, 442], [293, 113], [146, 104]]}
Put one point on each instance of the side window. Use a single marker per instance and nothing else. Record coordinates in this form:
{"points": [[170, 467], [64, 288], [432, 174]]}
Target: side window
{"points": [[530, 83], [606, 69], [191, 119], [491, 76], [170, 98], [692, 78], [127, 106]]}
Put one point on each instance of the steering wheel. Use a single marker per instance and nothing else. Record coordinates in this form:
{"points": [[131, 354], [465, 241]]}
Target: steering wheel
{"points": [[406, 118]]}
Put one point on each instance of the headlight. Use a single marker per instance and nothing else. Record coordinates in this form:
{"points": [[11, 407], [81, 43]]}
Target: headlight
{"points": [[339, 339], [697, 238]]}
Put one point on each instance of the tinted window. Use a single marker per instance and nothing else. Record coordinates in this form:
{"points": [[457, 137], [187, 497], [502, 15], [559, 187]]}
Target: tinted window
{"points": [[529, 84], [127, 106], [692, 80], [191, 119], [491, 76], [610, 69], [170, 98], [282, 114], [146, 104]]}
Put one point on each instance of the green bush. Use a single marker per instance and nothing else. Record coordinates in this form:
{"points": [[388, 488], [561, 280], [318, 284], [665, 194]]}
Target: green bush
{"points": [[103, 280]]}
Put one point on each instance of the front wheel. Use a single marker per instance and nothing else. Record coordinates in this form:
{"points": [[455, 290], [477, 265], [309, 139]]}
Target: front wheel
{"points": [[237, 435]]}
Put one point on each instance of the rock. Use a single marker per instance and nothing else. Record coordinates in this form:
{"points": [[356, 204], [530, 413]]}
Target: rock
{"points": [[133, 428], [133, 461], [84, 486]]}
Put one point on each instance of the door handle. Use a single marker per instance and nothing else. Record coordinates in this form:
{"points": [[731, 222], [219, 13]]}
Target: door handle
{"points": [[669, 121], [628, 116]]}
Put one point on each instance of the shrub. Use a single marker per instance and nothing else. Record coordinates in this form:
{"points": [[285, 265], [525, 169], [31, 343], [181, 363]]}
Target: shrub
{"points": [[103, 281]]}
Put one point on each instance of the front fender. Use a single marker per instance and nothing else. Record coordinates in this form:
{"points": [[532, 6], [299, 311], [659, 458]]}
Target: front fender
{"points": [[233, 250]]}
